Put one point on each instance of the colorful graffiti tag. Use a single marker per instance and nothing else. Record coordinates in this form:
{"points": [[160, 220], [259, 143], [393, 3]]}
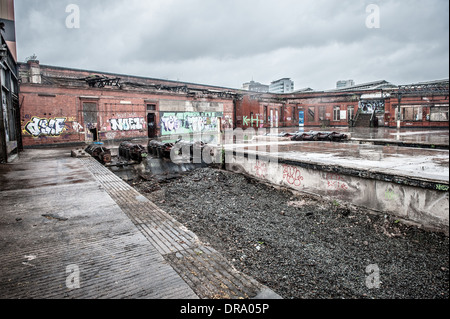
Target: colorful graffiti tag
{"points": [[189, 122], [45, 127], [292, 175], [442, 187], [250, 121], [127, 124]]}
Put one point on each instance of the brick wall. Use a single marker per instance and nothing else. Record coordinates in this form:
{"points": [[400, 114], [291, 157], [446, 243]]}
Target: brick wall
{"points": [[61, 109]]}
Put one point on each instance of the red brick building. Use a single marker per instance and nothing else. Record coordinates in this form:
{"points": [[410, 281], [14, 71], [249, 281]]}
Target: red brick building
{"points": [[369, 104], [419, 105], [61, 105]]}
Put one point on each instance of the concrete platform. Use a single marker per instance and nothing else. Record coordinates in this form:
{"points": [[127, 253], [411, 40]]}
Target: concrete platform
{"points": [[407, 137], [409, 183], [70, 228]]}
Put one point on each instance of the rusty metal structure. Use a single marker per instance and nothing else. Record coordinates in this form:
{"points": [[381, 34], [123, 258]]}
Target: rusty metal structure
{"points": [[319, 136], [188, 150], [133, 152], [101, 81], [160, 149], [102, 154]]}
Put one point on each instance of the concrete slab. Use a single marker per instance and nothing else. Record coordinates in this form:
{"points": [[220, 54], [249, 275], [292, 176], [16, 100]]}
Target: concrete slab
{"points": [[392, 160], [59, 229]]}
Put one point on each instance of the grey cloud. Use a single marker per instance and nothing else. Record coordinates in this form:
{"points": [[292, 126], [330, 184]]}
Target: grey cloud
{"points": [[314, 42]]}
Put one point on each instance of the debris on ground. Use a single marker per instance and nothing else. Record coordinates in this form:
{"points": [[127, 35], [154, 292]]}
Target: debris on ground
{"points": [[302, 246]]}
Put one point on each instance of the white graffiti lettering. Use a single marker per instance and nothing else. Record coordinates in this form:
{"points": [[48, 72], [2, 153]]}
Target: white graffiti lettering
{"points": [[129, 124], [171, 123], [77, 127], [48, 127], [189, 122]]}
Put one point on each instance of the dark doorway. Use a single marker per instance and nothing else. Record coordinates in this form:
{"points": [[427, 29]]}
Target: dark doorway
{"points": [[94, 134], [151, 122], [90, 113]]}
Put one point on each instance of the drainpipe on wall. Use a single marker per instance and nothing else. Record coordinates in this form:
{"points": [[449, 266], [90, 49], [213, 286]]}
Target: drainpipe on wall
{"points": [[398, 110], [3, 150]]}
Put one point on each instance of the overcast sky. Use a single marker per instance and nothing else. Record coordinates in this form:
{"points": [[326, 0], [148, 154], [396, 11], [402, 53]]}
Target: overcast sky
{"points": [[229, 42]]}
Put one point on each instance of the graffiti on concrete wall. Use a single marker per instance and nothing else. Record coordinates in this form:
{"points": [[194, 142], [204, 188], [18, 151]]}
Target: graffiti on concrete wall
{"points": [[189, 122], [127, 124], [336, 182], [37, 127], [442, 187], [261, 169], [390, 195], [292, 175]]}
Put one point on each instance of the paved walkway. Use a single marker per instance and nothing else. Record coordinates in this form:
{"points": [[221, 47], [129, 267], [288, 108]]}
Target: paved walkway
{"points": [[70, 228]]}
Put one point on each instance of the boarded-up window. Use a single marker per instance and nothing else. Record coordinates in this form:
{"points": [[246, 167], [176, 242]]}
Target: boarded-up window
{"points": [[322, 113], [439, 113], [90, 112], [311, 114], [411, 113]]}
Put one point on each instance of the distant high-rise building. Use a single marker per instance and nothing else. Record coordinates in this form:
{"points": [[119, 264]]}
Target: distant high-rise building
{"points": [[255, 87], [284, 85], [344, 84]]}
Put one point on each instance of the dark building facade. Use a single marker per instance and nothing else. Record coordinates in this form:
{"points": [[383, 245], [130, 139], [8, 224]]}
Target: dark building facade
{"points": [[10, 133]]}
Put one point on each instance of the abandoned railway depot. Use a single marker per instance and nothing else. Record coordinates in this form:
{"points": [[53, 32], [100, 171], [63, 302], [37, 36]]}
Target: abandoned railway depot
{"points": [[121, 186], [62, 105]]}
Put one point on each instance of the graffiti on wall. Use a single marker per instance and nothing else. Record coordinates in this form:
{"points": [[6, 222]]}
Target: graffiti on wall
{"points": [[336, 181], [189, 122], [251, 120], [442, 187], [127, 124], [369, 106], [390, 195], [261, 169], [77, 127], [292, 175], [227, 122], [45, 127]]}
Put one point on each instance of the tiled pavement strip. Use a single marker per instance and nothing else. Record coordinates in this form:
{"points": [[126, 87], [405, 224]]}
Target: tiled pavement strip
{"points": [[204, 269], [56, 212]]}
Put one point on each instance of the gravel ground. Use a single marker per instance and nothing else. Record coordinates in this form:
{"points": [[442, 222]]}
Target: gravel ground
{"points": [[302, 246]]}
